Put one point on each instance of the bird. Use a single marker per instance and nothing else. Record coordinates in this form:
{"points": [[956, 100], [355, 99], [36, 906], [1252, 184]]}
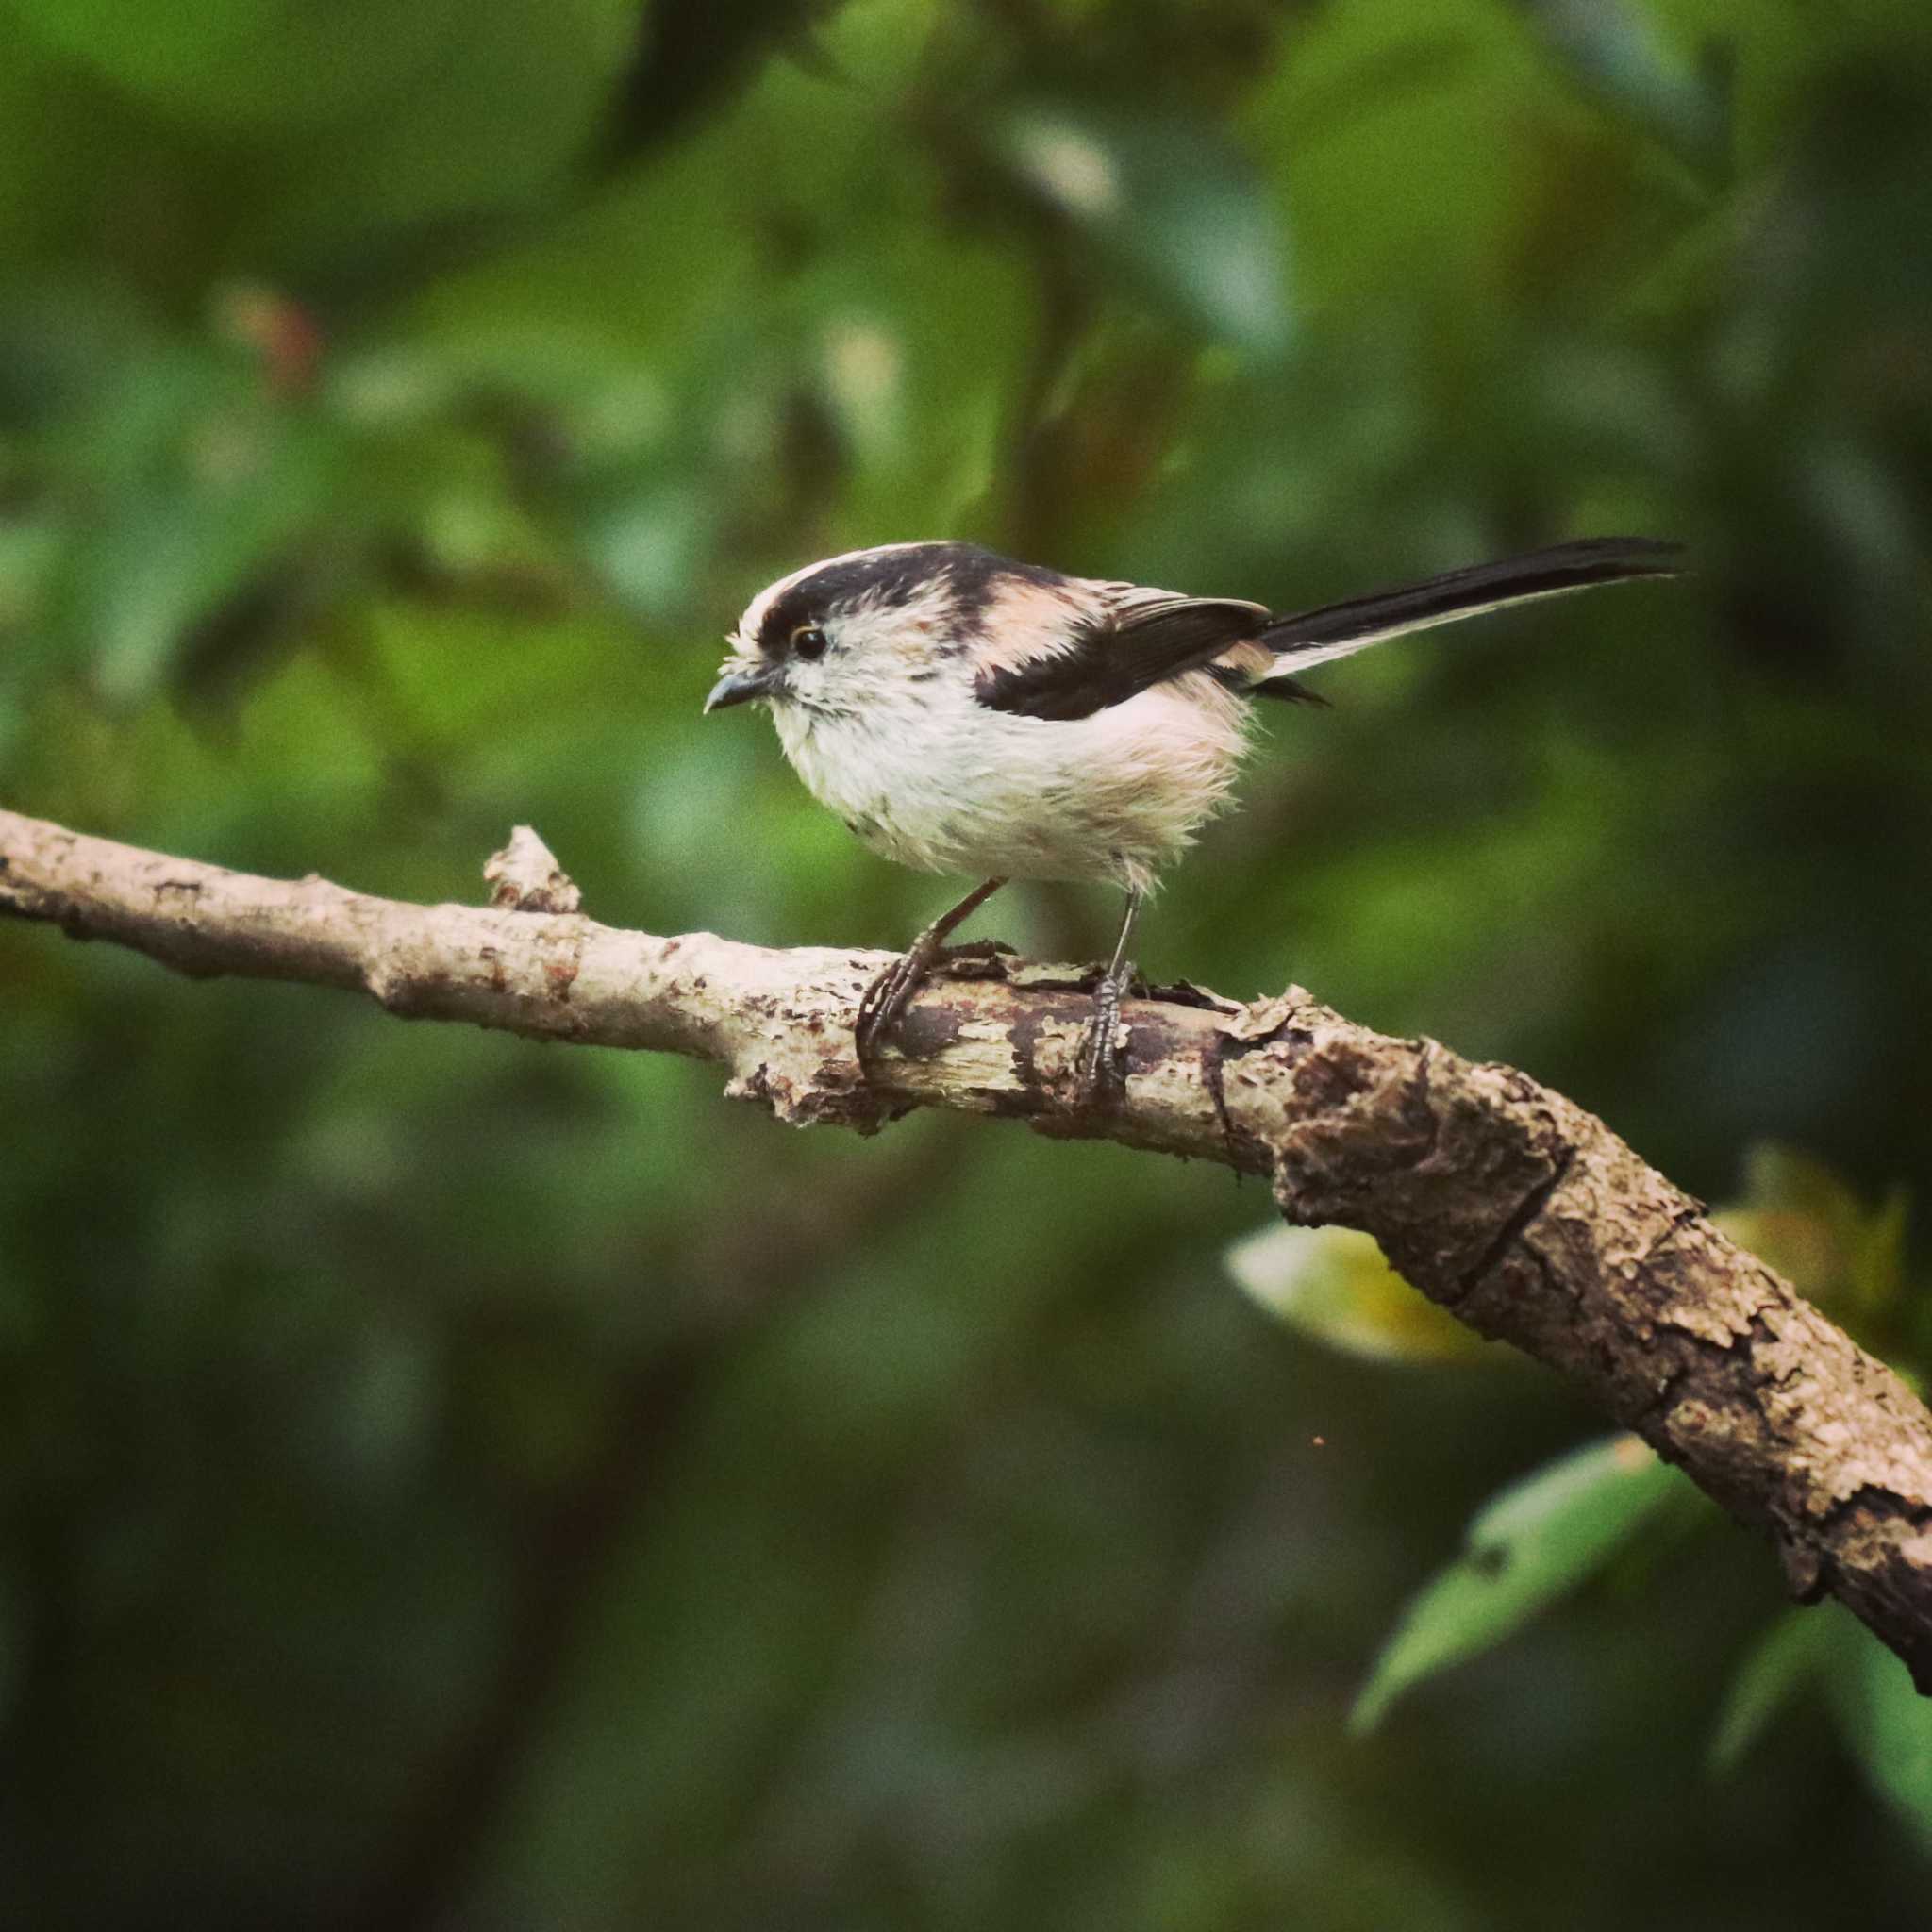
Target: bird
{"points": [[964, 713]]}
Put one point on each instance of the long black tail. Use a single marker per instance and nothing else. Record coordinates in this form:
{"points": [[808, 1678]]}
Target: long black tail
{"points": [[1338, 630]]}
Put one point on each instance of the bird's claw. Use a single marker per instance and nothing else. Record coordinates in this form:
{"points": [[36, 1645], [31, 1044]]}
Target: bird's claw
{"points": [[886, 999], [1100, 1079]]}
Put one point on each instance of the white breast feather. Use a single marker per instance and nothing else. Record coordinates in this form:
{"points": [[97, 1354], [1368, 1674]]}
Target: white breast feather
{"points": [[926, 775]]}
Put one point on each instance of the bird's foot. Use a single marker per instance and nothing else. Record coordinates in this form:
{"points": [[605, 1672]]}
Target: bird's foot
{"points": [[886, 999], [1100, 1081], [884, 1002]]}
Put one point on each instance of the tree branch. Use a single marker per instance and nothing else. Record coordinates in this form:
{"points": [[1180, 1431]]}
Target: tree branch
{"points": [[1501, 1200]]}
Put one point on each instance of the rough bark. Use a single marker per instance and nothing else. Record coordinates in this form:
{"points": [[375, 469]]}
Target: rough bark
{"points": [[1513, 1208]]}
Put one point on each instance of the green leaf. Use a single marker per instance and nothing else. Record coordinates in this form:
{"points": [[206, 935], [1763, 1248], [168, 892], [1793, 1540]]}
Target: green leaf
{"points": [[1790, 1655], [252, 64], [1877, 1262], [1885, 1725], [495, 123], [1167, 203], [200, 487], [1616, 52], [1333, 1284], [1526, 1548]]}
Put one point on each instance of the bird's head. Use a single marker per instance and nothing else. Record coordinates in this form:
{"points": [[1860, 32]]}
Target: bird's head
{"points": [[868, 626]]}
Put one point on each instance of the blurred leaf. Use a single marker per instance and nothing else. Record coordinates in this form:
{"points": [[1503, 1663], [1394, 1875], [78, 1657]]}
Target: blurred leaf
{"points": [[692, 53], [1878, 1259], [196, 484], [1167, 203], [1792, 1653], [1882, 1721], [511, 101], [252, 63], [1537, 1539], [1885, 1724], [1614, 48], [1333, 1284], [1801, 1218], [29, 551]]}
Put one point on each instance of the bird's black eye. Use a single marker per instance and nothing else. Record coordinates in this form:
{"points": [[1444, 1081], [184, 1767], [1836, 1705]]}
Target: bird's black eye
{"points": [[808, 642]]}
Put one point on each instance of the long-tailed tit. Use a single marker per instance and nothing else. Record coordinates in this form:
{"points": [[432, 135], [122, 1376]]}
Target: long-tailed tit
{"points": [[965, 713]]}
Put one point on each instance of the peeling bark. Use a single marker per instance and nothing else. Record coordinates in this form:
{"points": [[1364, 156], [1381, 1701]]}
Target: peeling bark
{"points": [[1513, 1208]]}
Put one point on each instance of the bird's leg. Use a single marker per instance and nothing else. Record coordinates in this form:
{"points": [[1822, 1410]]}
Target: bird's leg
{"points": [[1097, 1068], [891, 993]]}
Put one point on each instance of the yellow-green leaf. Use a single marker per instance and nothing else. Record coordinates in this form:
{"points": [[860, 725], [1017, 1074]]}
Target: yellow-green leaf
{"points": [[1800, 1217], [1332, 1283]]}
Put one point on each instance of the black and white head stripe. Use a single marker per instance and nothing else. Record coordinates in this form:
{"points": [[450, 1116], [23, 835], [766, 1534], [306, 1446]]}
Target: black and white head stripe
{"points": [[888, 577]]}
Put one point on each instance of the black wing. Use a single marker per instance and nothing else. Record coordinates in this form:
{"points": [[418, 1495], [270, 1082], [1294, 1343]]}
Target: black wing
{"points": [[1140, 637], [1144, 639]]}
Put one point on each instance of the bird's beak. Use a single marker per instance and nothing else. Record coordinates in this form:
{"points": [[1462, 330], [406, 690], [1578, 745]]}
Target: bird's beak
{"points": [[741, 683]]}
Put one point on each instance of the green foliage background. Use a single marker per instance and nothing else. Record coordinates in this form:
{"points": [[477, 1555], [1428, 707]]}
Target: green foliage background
{"points": [[449, 1481]]}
